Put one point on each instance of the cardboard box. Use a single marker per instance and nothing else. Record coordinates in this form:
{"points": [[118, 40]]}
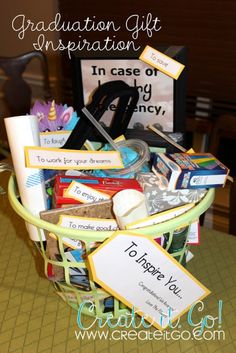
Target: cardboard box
{"points": [[189, 171], [109, 186]]}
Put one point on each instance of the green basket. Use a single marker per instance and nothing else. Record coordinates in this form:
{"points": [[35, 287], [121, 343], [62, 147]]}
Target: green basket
{"points": [[95, 305]]}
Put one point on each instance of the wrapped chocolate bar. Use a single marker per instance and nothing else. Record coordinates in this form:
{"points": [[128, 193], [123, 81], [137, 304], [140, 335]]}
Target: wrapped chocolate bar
{"points": [[159, 199]]}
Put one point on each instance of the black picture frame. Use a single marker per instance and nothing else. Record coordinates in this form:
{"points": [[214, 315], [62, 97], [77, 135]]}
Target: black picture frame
{"points": [[79, 61]]}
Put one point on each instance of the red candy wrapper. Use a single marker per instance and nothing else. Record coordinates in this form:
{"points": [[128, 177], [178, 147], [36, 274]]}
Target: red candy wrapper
{"points": [[109, 186]]}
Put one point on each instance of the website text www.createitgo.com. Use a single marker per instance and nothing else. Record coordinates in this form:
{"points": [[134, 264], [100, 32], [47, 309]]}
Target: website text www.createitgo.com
{"points": [[130, 326]]}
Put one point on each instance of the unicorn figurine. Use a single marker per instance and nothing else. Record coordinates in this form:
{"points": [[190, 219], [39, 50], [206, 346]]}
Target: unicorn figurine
{"points": [[54, 117]]}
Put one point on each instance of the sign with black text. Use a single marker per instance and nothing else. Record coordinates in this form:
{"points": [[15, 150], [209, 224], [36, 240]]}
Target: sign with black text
{"points": [[156, 90], [161, 97]]}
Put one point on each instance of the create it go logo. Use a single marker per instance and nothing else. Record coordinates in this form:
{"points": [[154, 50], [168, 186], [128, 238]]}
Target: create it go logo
{"points": [[148, 335], [203, 329]]}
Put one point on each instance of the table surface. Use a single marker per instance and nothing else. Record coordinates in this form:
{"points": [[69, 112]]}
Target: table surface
{"points": [[34, 319]]}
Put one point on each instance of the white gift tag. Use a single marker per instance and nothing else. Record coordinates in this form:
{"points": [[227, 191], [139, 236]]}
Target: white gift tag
{"points": [[54, 139], [162, 62], [56, 158], [160, 217], [72, 243], [141, 274], [84, 223], [84, 193]]}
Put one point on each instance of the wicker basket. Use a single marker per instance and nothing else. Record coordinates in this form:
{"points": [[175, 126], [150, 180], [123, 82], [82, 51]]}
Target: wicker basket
{"points": [[103, 304]]}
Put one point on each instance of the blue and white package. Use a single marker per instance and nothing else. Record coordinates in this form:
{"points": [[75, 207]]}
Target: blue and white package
{"points": [[190, 171]]}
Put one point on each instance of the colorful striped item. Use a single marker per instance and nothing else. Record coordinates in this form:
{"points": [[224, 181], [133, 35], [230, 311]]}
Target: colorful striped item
{"points": [[190, 171]]}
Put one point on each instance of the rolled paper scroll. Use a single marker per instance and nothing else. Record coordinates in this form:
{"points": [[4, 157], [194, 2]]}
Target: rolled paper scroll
{"points": [[23, 131], [129, 206]]}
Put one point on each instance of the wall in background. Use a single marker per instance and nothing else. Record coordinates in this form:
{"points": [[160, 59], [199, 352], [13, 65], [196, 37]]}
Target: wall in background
{"points": [[36, 11], [206, 27], [11, 45]]}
